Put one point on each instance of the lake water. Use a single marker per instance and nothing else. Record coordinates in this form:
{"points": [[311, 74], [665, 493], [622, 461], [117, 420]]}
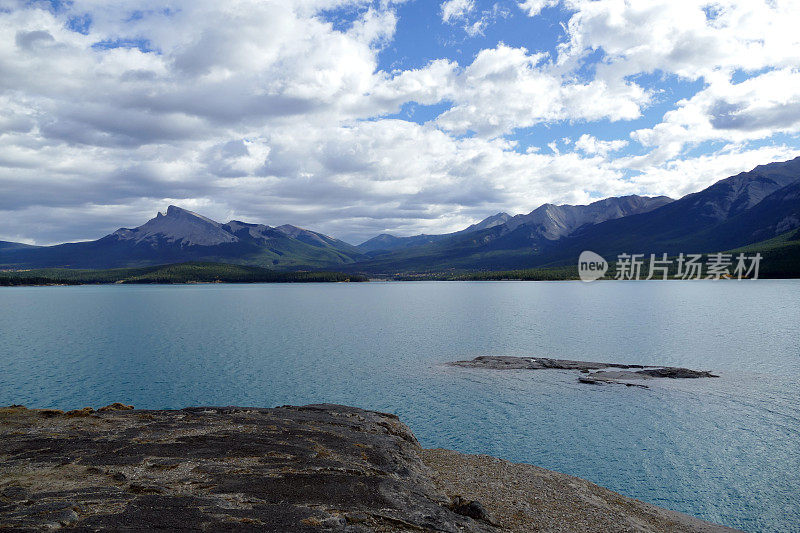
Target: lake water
{"points": [[726, 450]]}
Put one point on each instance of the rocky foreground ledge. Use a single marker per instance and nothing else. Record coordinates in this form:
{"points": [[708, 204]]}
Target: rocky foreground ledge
{"points": [[288, 469], [593, 373]]}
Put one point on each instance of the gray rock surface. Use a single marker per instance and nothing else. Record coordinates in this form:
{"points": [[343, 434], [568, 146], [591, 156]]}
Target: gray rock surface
{"points": [[592, 373], [315, 468], [178, 226], [556, 221], [288, 469]]}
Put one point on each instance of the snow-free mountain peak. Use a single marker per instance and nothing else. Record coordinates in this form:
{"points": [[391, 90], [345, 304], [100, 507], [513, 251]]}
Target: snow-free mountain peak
{"points": [[488, 222], [310, 237], [556, 221], [385, 241], [175, 212], [178, 226], [549, 221], [733, 195], [246, 230], [179, 235]]}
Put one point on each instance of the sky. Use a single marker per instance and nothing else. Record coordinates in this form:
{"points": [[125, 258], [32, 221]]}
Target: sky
{"points": [[359, 117]]}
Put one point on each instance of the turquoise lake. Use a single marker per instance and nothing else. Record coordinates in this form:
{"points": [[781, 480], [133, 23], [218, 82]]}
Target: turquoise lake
{"points": [[726, 449]]}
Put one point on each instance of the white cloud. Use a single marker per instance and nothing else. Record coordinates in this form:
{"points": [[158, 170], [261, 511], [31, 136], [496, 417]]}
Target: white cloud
{"points": [[754, 109], [265, 111], [453, 10], [473, 21], [709, 40], [683, 176], [507, 88], [590, 145], [534, 7], [689, 38], [352, 181], [218, 65]]}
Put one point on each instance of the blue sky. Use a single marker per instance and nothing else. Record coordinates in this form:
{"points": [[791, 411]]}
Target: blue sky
{"points": [[357, 117]]}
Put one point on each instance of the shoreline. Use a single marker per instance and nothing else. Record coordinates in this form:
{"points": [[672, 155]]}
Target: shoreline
{"points": [[312, 468], [376, 281]]}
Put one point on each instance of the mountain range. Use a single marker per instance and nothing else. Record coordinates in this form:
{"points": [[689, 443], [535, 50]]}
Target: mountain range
{"points": [[737, 211], [179, 235]]}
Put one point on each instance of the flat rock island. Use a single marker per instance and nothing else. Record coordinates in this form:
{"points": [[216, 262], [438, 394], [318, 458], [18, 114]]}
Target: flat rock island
{"points": [[312, 468], [591, 373]]}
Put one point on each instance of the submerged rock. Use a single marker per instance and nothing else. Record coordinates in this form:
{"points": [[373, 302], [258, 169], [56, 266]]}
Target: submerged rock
{"points": [[676, 373], [592, 373], [601, 378], [313, 468], [505, 362]]}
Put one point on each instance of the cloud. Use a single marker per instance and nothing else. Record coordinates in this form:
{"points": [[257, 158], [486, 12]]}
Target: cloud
{"points": [[271, 111], [508, 88], [212, 65], [688, 38], [534, 7], [590, 145], [754, 109], [453, 10], [473, 21], [690, 174], [353, 181], [28, 39]]}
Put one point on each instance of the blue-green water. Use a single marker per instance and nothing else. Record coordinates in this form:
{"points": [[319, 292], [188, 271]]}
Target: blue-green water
{"points": [[726, 450]]}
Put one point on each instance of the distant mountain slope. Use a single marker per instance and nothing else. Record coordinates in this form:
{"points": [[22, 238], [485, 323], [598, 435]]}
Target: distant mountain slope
{"points": [[316, 239], [180, 235], [780, 256], [516, 241], [386, 242], [6, 245], [735, 211], [556, 221], [776, 214], [178, 226], [548, 221], [489, 222]]}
